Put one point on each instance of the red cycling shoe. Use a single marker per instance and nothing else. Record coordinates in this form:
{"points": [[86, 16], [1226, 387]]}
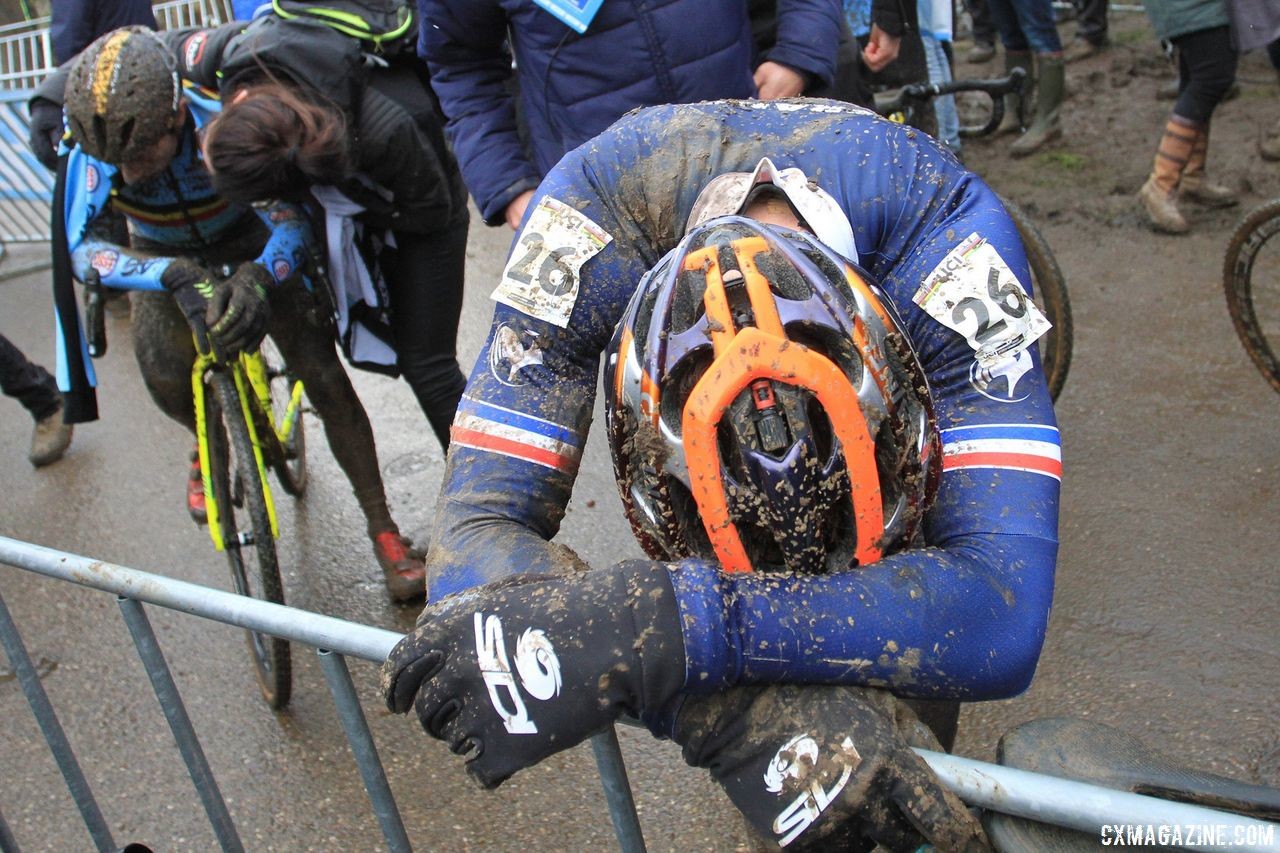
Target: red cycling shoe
{"points": [[402, 566], [195, 491]]}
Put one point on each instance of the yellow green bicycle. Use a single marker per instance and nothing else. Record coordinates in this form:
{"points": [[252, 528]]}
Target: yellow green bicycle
{"points": [[249, 420]]}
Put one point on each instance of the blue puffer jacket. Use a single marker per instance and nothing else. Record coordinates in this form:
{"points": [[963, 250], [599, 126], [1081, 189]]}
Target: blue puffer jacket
{"points": [[634, 53]]}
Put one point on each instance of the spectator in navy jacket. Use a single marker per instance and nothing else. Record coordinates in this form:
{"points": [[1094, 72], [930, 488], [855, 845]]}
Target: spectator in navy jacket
{"points": [[75, 23], [572, 85]]}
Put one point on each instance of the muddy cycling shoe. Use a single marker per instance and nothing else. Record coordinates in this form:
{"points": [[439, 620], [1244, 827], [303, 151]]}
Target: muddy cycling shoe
{"points": [[402, 566], [196, 506]]}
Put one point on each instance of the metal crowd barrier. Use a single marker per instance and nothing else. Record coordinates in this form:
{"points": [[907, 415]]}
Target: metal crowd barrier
{"points": [[26, 186], [1018, 792], [26, 54]]}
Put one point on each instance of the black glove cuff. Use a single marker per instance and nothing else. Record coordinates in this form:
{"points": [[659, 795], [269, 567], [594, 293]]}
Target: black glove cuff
{"points": [[659, 643]]}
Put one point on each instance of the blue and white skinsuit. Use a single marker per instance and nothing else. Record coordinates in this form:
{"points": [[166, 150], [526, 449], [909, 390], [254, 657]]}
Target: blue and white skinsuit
{"points": [[177, 209], [961, 617]]}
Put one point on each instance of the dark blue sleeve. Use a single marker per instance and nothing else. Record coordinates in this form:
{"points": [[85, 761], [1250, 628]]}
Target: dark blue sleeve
{"points": [[462, 42], [523, 419], [808, 34]]}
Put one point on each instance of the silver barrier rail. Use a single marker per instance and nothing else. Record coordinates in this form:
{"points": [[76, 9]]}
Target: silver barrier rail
{"points": [[26, 54], [1048, 799]]}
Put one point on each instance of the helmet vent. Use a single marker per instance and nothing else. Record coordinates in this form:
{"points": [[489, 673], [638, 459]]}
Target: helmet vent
{"points": [[100, 133], [126, 134]]}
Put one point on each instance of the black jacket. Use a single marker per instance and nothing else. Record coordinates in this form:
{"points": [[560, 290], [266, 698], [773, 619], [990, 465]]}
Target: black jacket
{"points": [[407, 178]]}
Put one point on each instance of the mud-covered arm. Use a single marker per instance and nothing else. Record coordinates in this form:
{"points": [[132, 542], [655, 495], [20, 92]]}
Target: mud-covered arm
{"points": [[88, 197], [462, 42], [523, 419]]}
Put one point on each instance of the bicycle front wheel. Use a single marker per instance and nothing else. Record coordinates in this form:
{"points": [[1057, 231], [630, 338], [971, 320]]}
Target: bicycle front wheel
{"points": [[1251, 278], [291, 466], [246, 532], [1049, 292]]}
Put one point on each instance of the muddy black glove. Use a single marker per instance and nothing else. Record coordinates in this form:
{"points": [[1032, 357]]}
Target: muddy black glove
{"points": [[822, 767], [191, 289], [239, 311], [512, 672], [45, 130]]}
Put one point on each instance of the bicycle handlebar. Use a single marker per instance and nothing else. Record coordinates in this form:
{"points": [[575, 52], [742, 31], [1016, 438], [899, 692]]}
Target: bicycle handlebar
{"points": [[914, 95]]}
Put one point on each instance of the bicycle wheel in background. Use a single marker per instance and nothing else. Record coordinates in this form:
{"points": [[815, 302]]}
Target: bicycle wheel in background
{"points": [[1049, 292], [246, 531], [291, 470], [1251, 278], [974, 110]]}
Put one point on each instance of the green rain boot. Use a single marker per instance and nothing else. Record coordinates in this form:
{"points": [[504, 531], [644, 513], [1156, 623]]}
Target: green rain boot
{"points": [[1013, 118], [1051, 83]]}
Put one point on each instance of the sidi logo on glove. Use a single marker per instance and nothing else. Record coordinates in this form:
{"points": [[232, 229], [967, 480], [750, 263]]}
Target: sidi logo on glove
{"points": [[536, 664], [796, 767]]}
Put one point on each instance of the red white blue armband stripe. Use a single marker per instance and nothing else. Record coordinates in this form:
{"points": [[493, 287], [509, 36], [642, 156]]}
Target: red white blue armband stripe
{"points": [[1033, 448], [484, 426]]}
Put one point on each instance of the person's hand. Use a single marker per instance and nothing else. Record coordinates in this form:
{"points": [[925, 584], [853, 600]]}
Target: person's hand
{"points": [[238, 311], [515, 210], [824, 767], [514, 671], [778, 81], [881, 49], [189, 283], [45, 132]]}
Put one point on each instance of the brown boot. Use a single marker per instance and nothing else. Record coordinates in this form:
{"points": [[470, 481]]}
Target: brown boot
{"points": [[1196, 185], [1159, 194], [49, 440]]}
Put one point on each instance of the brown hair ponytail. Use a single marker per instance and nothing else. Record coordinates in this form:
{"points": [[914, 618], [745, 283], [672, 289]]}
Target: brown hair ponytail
{"points": [[274, 143]]}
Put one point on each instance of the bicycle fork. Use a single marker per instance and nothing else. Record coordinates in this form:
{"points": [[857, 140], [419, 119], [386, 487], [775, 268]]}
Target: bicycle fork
{"points": [[202, 364]]}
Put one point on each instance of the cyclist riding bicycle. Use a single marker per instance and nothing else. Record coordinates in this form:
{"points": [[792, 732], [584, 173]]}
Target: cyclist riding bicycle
{"points": [[846, 476], [136, 127]]}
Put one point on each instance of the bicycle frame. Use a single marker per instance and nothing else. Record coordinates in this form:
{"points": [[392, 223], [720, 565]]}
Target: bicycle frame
{"points": [[249, 371]]}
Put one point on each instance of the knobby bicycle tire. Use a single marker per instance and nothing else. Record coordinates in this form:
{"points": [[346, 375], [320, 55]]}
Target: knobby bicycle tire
{"points": [[290, 465], [250, 548], [1238, 269], [1049, 292]]}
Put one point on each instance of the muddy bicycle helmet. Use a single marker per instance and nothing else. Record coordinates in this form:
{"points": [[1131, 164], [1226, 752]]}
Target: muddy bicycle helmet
{"points": [[765, 408], [122, 95]]}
